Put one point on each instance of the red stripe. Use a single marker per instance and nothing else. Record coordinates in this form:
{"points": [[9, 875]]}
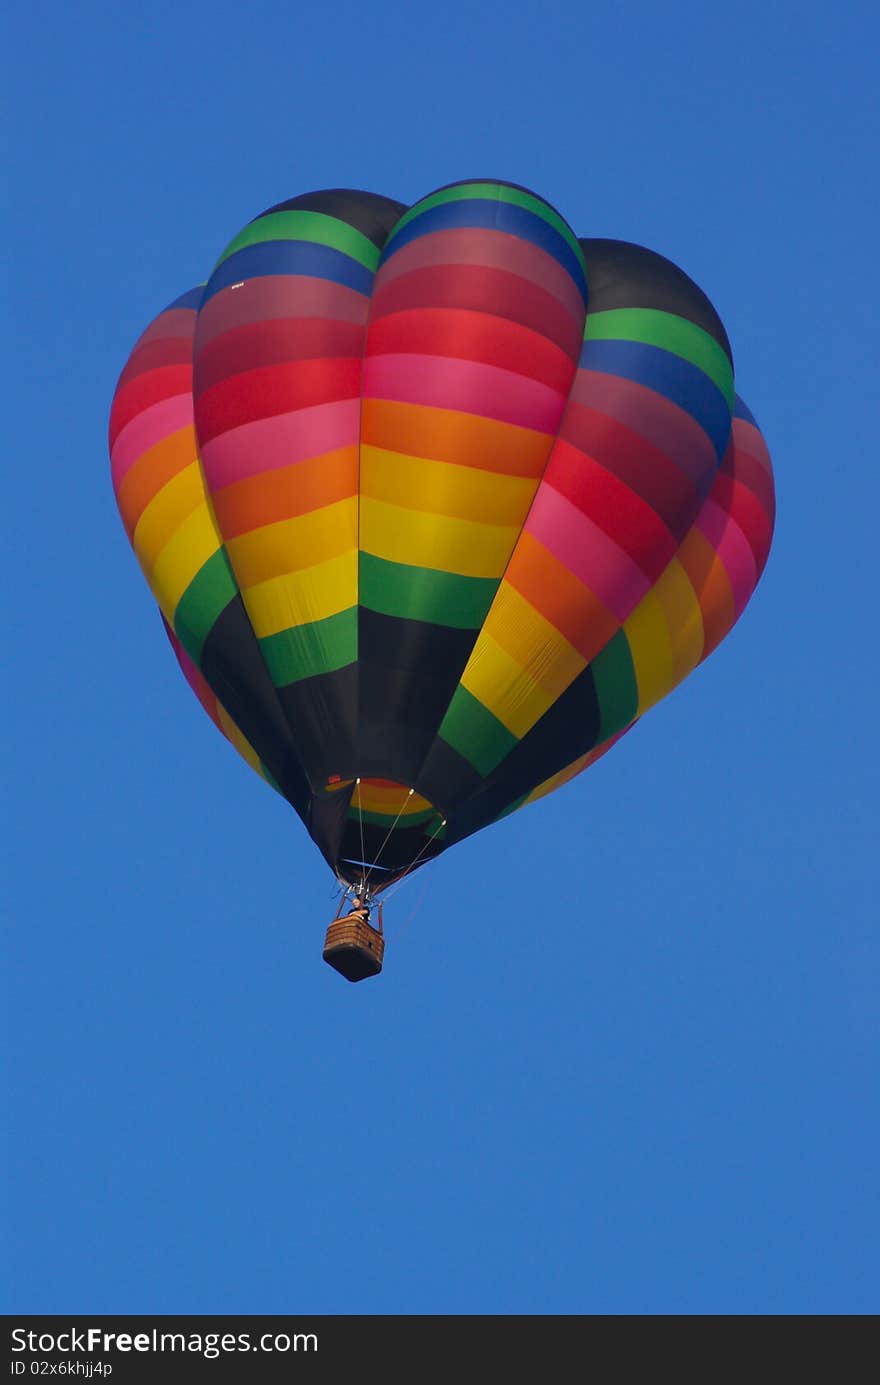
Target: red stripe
{"points": [[473, 337], [623, 515], [153, 355], [143, 391], [273, 342], [747, 511], [174, 322], [752, 473], [750, 439], [483, 291], [633, 460], [279, 389]]}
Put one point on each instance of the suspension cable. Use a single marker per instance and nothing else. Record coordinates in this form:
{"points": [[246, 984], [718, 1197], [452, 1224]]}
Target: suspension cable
{"points": [[415, 861], [387, 837], [361, 819]]}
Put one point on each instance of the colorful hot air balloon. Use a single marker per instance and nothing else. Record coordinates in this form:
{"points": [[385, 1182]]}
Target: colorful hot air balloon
{"points": [[436, 502]]}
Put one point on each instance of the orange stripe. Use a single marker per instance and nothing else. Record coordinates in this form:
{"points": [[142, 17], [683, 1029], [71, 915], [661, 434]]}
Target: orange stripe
{"points": [[560, 598], [288, 491], [709, 580], [153, 470], [446, 435]]}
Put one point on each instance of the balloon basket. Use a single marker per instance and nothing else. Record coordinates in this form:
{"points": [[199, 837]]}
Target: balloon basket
{"points": [[354, 949]]}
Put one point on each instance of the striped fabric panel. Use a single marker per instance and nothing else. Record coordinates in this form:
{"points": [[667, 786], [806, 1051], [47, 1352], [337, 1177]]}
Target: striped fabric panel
{"points": [[384, 803], [693, 606], [277, 400], [641, 438], [158, 483], [703, 591], [162, 502], [215, 710], [472, 346]]}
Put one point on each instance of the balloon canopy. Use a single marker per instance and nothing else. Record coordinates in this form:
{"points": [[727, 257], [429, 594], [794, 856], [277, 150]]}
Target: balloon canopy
{"points": [[436, 502]]}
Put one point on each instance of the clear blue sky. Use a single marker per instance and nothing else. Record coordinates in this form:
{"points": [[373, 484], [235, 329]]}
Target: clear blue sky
{"points": [[625, 1058]]}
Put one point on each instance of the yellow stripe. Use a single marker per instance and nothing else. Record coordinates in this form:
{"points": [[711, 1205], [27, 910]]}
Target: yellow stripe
{"points": [[556, 781], [684, 619], [389, 800], [435, 541], [648, 636], [440, 488], [242, 745], [297, 598], [293, 544], [165, 513], [503, 685], [186, 552], [533, 641]]}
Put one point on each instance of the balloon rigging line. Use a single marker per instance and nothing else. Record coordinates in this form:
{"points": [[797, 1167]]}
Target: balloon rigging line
{"points": [[416, 910], [387, 836], [361, 818], [415, 861]]}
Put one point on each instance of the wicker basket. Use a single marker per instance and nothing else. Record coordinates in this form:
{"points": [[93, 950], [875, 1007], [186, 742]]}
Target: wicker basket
{"points": [[354, 948]]}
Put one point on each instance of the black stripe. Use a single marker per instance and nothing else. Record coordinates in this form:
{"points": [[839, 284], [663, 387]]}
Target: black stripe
{"points": [[393, 854], [566, 730], [409, 670], [233, 667], [327, 822], [368, 212], [322, 716], [446, 778], [622, 275]]}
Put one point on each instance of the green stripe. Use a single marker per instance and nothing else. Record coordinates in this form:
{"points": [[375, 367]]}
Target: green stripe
{"points": [[616, 688], [464, 192], [472, 730], [671, 333], [391, 819], [512, 807], [422, 593], [319, 647], [310, 226], [270, 778], [209, 593], [436, 834]]}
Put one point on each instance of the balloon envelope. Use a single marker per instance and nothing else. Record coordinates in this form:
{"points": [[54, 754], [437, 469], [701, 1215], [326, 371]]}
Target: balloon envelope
{"points": [[436, 502]]}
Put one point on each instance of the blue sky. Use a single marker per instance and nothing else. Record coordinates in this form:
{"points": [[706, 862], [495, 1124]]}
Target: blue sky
{"points": [[624, 1058]]}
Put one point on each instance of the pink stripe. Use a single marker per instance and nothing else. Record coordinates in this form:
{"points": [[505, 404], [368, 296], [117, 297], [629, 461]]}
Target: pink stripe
{"points": [[653, 417], [587, 551], [734, 550], [146, 429], [267, 444], [279, 295], [471, 387], [489, 250]]}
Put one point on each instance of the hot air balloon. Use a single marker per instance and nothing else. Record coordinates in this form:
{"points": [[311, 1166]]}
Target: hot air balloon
{"points": [[435, 501]]}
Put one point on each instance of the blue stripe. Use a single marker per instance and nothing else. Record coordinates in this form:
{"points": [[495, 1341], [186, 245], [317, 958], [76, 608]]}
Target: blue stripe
{"points": [[741, 410], [290, 257], [191, 299], [680, 381], [493, 216]]}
